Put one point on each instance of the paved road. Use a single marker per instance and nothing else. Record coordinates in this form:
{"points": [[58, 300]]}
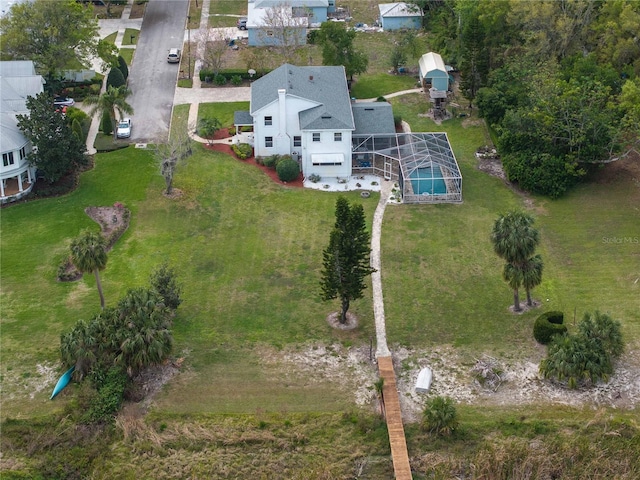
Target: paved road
{"points": [[152, 80]]}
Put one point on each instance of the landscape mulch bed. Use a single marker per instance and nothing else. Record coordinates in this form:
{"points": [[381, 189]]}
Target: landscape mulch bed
{"points": [[271, 173]]}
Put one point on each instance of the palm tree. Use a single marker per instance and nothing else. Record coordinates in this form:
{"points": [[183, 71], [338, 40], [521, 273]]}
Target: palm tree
{"points": [[89, 254], [515, 240], [112, 101], [532, 275], [143, 331], [513, 276], [440, 416]]}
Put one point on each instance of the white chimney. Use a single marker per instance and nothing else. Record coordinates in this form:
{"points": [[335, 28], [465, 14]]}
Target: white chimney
{"points": [[282, 111]]}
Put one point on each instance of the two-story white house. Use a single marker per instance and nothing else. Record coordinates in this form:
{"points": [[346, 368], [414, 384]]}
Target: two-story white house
{"points": [[18, 80], [305, 112]]}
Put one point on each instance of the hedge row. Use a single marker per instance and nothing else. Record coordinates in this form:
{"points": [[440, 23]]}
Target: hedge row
{"points": [[228, 74]]}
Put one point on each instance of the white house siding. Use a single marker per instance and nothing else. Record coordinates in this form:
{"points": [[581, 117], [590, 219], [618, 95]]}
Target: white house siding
{"points": [[326, 145], [282, 137]]}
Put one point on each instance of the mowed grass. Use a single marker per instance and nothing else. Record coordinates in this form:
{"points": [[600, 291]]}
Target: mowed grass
{"points": [[222, 111], [442, 281], [248, 253]]}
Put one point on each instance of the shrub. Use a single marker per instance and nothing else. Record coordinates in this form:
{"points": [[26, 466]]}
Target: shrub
{"points": [[220, 80], [115, 78], [547, 325], [242, 150], [440, 416], [122, 66], [232, 131], [163, 281], [77, 130], [207, 127], [397, 121], [74, 113], [314, 177], [110, 386], [271, 161], [288, 169], [588, 356], [236, 80], [106, 125], [381, 99]]}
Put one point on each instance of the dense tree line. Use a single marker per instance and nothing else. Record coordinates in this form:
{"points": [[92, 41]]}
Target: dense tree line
{"points": [[557, 80]]}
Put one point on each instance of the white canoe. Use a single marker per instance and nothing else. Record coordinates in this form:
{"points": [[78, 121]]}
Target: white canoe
{"points": [[424, 380]]}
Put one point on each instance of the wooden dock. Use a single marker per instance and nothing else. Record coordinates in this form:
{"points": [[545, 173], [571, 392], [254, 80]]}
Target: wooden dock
{"points": [[397, 440]]}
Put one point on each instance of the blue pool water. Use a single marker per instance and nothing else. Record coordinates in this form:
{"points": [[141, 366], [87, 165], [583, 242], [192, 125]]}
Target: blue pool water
{"points": [[428, 181]]}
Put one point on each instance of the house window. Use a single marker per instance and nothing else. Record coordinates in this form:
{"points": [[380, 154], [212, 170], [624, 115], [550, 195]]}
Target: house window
{"points": [[337, 137], [316, 137], [269, 33], [297, 141], [23, 153], [268, 121], [268, 142], [7, 159]]}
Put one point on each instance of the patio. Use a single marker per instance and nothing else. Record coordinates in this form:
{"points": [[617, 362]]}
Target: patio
{"points": [[340, 184]]}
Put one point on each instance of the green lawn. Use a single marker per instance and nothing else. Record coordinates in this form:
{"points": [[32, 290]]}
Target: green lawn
{"points": [[221, 111], [373, 86]]}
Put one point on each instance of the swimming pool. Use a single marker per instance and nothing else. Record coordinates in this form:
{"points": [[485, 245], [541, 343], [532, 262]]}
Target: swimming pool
{"points": [[428, 181]]}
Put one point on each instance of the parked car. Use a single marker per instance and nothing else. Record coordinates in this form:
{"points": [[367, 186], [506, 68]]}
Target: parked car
{"points": [[124, 128], [242, 23], [63, 102], [174, 55]]}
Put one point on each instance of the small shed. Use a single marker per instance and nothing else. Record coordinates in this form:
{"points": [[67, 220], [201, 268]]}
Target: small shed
{"points": [[433, 72], [399, 15]]}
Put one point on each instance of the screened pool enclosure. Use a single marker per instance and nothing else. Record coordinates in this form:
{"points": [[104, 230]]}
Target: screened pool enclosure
{"points": [[423, 164]]}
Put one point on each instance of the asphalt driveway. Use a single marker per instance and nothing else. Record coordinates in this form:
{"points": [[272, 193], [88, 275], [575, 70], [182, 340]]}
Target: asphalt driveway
{"points": [[152, 79]]}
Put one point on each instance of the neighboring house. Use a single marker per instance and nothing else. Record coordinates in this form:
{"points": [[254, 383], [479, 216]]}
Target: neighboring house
{"points": [[18, 80], [266, 17], [307, 112], [433, 72], [400, 15]]}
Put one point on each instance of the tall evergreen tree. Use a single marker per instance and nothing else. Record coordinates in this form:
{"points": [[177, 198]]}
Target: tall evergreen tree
{"points": [[474, 62], [346, 259]]}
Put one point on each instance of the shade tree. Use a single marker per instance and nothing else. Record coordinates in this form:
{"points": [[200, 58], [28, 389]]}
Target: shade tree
{"points": [[57, 151]]}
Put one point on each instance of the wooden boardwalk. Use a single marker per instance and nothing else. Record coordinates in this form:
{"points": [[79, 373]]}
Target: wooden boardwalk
{"points": [[397, 440]]}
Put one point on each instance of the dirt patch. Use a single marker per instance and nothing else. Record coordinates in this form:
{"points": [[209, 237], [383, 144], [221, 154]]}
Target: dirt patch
{"points": [[110, 219], [333, 319], [174, 195], [355, 370]]}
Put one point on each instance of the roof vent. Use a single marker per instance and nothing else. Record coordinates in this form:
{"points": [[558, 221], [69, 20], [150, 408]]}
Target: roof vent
{"points": [[326, 116], [311, 78], [368, 109]]}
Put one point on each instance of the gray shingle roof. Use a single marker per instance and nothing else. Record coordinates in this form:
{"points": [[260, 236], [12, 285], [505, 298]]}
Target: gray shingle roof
{"points": [[326, 86], [373, 117]]}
